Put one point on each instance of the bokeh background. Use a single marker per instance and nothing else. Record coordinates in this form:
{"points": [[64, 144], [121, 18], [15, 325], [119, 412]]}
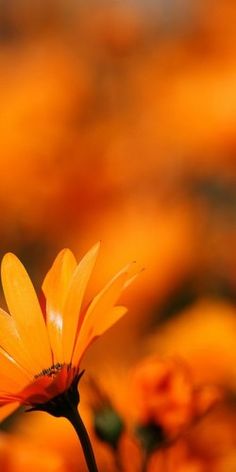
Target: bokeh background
{"points": [[118, 123]]}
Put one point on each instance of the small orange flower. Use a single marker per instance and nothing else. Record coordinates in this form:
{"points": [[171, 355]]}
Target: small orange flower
{"points": [[40, 359], [166, 396], [163, 392]]}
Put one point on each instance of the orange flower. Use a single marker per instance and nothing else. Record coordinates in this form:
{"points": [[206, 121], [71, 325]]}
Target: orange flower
{"points": [[41, 359], [166, 396]]}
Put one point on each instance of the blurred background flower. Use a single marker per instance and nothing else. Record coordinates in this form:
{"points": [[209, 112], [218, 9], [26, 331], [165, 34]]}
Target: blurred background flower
{"points": [[118, 123]]}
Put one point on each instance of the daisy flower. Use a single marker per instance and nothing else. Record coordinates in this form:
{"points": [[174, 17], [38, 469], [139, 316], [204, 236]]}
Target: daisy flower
{"points": [[40, 357]]}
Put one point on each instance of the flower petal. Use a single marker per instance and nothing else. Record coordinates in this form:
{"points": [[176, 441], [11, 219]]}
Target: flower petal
{"points": [[11, 342], [98, 311], [55, 288], [74, 300], [8, 409], [105, 322], [25, 309], [13, 377], [36, 392]]}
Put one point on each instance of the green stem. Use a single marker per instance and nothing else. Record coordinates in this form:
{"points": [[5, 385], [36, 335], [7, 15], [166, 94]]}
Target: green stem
{"points": [[74, 417]]}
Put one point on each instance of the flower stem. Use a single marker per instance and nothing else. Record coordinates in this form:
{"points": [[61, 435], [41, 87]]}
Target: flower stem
{"points": [[118, 462], [145, 462], [65, 405], [74, 417]]}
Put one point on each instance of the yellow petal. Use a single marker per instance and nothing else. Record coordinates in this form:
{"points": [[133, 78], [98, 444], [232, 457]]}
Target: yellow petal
{"points": [[25, 309], [13, 377], [12, 343], [75, 298], [133, 277], [105, 322], [56, 283], [98, 311], [55, 288]]}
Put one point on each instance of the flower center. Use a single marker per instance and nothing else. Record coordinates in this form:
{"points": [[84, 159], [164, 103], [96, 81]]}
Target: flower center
{"points": [[50, 371]]}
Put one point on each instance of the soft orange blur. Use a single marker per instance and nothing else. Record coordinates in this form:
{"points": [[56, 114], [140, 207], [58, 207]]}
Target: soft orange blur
{"points": [[118, 123]]}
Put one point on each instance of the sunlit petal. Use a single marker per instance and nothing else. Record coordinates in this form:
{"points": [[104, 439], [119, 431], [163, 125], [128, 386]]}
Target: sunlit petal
{"points": [[72, 310], [25, 309], [55, 287], [99, 309], [11, 342]]}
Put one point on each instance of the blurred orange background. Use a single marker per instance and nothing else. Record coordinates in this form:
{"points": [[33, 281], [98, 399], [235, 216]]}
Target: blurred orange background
{"points": [[118, 123]]}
